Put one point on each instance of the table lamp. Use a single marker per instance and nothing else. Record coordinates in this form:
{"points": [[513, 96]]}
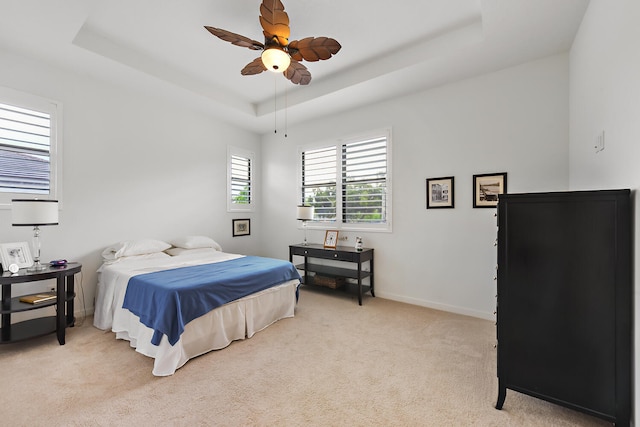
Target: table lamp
{"points": [[34, 213], [305, 213]]}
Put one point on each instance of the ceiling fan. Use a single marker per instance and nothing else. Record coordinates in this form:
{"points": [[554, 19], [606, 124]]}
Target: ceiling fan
{"points": [[279, 54]]}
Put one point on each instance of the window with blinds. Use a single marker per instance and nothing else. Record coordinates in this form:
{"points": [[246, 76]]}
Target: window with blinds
{"points": [[25, 150], [348, 183], [240, 178], [319, 182], [364, 181], [29, 146]]}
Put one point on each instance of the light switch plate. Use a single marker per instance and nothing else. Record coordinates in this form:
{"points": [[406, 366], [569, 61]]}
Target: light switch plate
{"points": [[599, 145]]}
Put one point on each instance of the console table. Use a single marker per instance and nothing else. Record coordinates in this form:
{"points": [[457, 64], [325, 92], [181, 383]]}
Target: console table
{"points": [[65, 294], [341, 253]]}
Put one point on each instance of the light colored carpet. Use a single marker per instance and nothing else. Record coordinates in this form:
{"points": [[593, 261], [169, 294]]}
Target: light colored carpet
{"points": [[333, 364]]}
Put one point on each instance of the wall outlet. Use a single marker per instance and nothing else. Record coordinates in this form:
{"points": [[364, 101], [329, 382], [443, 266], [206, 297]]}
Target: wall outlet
{"points": [[599, 143]]}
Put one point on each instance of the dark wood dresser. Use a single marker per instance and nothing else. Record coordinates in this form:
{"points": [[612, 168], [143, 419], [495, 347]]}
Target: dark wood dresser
{"points": [[565, 297]]}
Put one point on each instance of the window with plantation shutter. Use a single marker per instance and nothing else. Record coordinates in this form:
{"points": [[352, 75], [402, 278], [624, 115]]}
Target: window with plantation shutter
{"points": [[28, 146], [240, 179], [348, 183], [319, 182], [364, 181]]}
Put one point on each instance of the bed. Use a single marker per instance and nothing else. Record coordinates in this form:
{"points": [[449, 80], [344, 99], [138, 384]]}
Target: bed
{"points": [[138, 269]]}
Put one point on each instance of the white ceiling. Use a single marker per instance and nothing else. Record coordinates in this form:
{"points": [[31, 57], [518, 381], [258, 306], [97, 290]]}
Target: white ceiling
{"points": [[388, 48]]}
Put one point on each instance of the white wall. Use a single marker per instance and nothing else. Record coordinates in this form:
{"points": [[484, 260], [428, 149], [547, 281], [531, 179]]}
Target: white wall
{"points": [[515, 120], [135, 165], [605, 96]]}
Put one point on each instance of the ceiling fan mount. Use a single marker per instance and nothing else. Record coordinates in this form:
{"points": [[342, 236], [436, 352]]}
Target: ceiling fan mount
{"points": [[278, 53]]}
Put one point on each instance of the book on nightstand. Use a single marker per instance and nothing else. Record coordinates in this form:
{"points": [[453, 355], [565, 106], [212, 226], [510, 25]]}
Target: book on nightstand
{"points": [[38, 298]]}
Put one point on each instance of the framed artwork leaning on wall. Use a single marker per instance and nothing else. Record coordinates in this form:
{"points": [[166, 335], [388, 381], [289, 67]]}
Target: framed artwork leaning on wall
{"points": [[331, 239]]}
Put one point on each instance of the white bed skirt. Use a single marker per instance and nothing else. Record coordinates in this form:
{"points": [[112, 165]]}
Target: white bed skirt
{"points": [[213, 331]]}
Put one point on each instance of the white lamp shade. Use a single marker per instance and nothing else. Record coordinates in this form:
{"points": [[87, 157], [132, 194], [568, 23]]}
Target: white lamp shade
{"points": [[305, 213], [276, 59], [34, 212]]}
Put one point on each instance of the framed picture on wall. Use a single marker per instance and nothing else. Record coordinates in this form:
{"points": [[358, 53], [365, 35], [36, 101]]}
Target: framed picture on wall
{"points": [[487, 187], [15, 253], [241, 227], [440, 192]]}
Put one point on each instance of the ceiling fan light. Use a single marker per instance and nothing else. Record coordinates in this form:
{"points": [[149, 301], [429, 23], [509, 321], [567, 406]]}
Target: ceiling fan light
{"points": [[275, 59]]}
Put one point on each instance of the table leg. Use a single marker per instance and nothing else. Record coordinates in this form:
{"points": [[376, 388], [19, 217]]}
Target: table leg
{"points": [[5, 321], [371, 276], [70, 294], [359, 283], [60, 308]]}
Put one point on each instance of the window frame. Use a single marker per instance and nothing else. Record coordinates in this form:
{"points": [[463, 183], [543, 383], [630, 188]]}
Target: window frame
{"points": [[250, 155], [54, 109], [340, 186]]}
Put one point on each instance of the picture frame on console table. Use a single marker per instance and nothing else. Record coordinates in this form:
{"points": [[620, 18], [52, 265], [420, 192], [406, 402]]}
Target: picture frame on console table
{"points": [[487, 187], [15, 253], [331, 239]]}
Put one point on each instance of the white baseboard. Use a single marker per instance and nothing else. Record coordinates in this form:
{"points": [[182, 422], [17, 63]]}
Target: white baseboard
{"points": [[437, 306]]}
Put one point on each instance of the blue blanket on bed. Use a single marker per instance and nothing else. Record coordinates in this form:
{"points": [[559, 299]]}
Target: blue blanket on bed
{"points": [[166, 301]]}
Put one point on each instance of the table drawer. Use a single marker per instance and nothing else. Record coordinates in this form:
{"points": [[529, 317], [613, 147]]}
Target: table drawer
{"points": [[325, 254]]}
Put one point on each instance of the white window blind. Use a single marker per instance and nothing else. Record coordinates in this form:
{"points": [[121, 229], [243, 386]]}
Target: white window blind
{"points": [[30, 147], [240, 180], [319, 182], [25, 150], [364, 181], [348, 183]]}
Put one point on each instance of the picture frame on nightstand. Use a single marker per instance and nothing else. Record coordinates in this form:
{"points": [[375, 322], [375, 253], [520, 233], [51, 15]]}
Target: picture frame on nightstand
{"points": [[15, 253]]}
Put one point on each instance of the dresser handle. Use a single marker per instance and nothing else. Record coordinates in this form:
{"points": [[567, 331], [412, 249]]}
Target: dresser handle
{"points": [[335, 255], [306, 252], [495, 277]]}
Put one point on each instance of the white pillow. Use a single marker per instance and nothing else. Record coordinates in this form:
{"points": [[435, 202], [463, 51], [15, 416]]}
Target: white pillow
{"points": [[154, 256], [195, 242], [181, 251], [134, 247]]}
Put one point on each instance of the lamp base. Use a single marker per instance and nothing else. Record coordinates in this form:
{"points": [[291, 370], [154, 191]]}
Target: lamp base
{"points": [[304, 226], [37, 267]]}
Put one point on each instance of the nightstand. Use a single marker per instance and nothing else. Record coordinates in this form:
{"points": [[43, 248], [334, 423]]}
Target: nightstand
{"points": [[32, 328]]}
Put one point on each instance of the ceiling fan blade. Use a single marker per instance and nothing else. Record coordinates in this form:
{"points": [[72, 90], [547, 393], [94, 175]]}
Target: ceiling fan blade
{"points": [[254, 67], [235, 39], [275, 21], [297, 73], [313, 48]]}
